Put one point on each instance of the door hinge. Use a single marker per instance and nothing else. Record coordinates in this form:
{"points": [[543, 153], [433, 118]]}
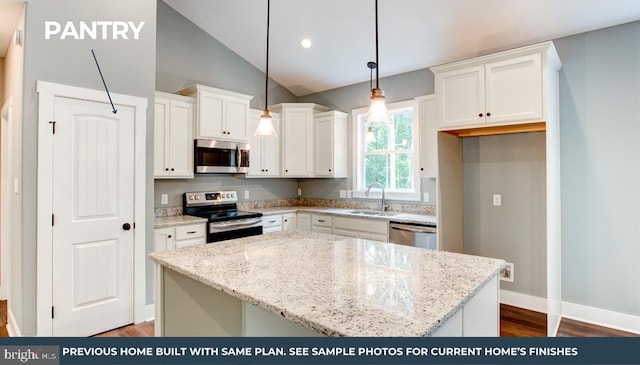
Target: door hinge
{"points": [[53, 220], [52, 312], [53, 125]]}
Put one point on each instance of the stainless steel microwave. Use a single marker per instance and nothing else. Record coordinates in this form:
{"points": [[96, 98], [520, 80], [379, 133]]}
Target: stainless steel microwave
{"points": [[216, 157]]}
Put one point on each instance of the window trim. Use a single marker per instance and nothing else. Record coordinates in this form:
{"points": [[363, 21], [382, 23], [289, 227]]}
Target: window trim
{"points": [[358, 170]]}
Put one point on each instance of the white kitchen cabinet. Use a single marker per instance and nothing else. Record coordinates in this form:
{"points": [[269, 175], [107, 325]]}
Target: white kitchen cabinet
{"points": [[428, 136], [297, 137], [321, 223], [220, 114], [505, 88], [288, 222], [173, 136], [370, 229], [170, 238], [303, 221], [272, 223], [330, 129], [265, 152]]}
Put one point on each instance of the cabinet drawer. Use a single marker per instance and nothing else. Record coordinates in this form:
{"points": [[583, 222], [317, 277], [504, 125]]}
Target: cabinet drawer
{"points": [[321, 220], [271, 221], [190, 232], [193, 242]]}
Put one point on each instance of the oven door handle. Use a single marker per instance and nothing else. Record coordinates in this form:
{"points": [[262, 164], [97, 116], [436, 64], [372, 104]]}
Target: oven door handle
{"points": [[246, 222]]}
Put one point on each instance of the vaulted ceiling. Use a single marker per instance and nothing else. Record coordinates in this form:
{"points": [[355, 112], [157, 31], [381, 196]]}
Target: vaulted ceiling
{"points": [[414, 34]]}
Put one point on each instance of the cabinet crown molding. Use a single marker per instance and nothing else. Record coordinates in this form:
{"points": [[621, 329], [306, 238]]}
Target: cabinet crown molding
{"points": [[547, 48], [192, 90]]}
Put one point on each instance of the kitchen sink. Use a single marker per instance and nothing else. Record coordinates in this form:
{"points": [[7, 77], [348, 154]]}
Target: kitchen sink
{"points": [[371, 213]]}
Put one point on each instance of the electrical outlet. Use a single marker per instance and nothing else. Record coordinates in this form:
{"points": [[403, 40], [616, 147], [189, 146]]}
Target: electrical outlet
{"points": [[164, 199], [299, 191], [246, 194], [425, 197], [497, 200], [507, 273], [343, 194]]}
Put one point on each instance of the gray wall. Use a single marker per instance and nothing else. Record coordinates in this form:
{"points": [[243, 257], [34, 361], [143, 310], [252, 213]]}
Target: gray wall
{"points": [[128, 67], [513, 166], [187, 55], [396, 88], [600, 147]]}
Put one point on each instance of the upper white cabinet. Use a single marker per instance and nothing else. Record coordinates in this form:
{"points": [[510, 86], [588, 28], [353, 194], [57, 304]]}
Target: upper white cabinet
{"points": [[428, 136], [330, 130], [265, 152], [173, 137], [504, 88], [221, 114], [297, 138]]}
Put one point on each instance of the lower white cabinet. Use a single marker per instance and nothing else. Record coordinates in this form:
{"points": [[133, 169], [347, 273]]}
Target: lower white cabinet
{"points": [[321, 223], [303, 221], [272, 223], [361, 228], [288, 222], [170, 238]]}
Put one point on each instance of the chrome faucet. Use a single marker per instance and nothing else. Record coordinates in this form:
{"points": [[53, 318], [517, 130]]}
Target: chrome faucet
{"points": [[366, 193]]}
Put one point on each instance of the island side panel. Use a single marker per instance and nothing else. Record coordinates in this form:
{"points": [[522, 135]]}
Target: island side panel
{"points": [[260, 323], [191, 308], [481, 314]]}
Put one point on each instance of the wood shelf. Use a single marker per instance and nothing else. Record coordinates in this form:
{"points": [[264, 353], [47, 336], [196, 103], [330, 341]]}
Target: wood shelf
{"points": [[496, 130]]}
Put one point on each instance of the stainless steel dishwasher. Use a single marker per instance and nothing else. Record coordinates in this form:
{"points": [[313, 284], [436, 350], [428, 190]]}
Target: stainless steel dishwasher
{"points": [[412, 234]]}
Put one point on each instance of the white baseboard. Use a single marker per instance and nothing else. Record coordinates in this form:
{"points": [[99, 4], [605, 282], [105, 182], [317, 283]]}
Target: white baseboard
{"points": [[525, 301], [149, 312], [12, 326], [601, 317]]}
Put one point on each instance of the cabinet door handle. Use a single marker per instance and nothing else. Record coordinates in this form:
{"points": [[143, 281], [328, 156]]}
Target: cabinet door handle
{"points": [[271, 222], [286, 170], [321, 220], [172, 169], [191, 232], [422, 169], [169, 236], [480, 115], [166, 169], [488, 114], [329, 170]]}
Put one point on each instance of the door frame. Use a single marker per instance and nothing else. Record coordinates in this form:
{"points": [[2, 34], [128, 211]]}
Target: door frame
{"points": [[47, 92], [6, 221]]}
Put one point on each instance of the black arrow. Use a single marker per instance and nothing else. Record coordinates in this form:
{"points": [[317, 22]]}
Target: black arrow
{"points": [[104, 83]]}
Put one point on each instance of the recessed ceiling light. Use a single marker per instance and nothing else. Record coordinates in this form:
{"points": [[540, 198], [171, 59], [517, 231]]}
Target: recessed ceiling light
{"points": [[306, 43]]}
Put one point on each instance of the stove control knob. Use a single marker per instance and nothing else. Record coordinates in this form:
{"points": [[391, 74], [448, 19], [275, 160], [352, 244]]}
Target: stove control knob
{"points": [[197, 197], [190, 197]]}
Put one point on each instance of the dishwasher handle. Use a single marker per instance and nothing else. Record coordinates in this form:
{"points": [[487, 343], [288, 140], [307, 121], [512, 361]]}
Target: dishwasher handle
{"points": [[412, 228]]}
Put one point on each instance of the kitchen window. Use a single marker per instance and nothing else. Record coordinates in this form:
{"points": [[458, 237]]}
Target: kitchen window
{"points": [[387, 153]]}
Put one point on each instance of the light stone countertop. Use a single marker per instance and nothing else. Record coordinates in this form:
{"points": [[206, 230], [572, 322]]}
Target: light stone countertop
{"points": [[339, 286], [177, 220], [391, 216]]}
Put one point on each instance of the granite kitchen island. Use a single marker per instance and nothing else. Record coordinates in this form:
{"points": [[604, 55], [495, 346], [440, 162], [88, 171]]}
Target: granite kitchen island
{"points": [[309, 284]]}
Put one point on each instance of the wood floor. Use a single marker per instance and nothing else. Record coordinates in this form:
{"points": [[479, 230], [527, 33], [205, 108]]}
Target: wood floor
{"points": [[514, 322]]}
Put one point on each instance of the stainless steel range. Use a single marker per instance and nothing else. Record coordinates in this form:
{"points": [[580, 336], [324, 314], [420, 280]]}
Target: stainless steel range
{"points": [[225, 221]]}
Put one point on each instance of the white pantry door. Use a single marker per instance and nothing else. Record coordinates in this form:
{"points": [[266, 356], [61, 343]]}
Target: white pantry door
{"points": [[93, 185]]}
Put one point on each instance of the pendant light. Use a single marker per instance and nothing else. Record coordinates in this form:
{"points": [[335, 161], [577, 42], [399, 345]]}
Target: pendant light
{"points": [[265, 126], [377, 110], [370, 136]]}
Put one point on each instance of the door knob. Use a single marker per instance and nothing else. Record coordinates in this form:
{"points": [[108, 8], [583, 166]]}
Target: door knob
{"points": [[126, 226]]}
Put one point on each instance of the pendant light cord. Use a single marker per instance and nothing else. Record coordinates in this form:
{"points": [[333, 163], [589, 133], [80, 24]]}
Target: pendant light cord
{"points": [[377, 63], [266, 78]]}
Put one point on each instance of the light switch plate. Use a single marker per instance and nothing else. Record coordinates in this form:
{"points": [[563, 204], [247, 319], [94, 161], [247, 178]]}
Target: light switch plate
{"points": [[343, 194], [425, 197], [164, 199], [497, 200], [299, 191]]}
